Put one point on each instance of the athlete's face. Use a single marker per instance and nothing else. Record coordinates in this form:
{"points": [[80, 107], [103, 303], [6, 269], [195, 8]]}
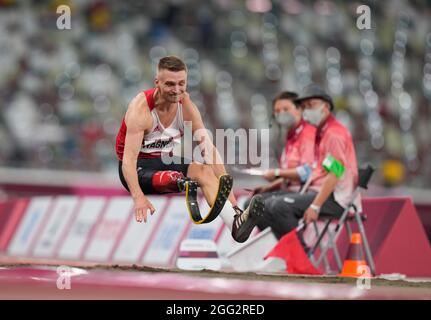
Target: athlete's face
{"points": [[172, 84]]}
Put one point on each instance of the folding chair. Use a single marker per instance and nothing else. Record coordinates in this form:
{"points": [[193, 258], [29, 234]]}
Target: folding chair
{"points": [[349, 215]]}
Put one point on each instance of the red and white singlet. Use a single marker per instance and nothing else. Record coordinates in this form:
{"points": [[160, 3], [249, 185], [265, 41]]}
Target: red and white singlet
{"points": [[160, 140]]}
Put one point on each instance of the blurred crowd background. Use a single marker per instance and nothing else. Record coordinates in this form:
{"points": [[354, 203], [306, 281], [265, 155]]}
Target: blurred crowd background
{"points": [[63, 93]]}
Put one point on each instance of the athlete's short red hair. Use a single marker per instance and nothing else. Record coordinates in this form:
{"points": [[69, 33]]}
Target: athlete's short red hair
{"points": [[172, 63]]}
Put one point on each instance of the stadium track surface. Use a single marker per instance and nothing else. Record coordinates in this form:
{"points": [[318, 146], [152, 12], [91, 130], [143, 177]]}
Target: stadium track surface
{"points": [[91, 281]]}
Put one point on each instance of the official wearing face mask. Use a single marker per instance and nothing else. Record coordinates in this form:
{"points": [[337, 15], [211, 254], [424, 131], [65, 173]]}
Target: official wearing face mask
{"points": [[315, 115], [298, 152], [335, 170], [285, 119]]}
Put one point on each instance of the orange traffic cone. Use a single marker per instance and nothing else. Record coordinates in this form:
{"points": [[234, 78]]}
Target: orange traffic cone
{"points": [[355, 264]]}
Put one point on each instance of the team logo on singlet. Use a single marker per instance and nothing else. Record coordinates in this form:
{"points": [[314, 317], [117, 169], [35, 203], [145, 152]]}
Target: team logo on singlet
{"points": [[164, 141]]}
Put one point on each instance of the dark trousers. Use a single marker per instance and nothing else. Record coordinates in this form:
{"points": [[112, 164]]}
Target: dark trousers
{"points": [[146, 168], [283, 212], [266, 195]]}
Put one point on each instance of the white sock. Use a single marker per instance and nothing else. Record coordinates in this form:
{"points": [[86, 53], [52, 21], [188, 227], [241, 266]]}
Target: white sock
{"points": [[227, 214]]}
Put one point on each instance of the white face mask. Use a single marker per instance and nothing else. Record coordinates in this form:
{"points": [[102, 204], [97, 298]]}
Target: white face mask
{"points": [[315, 116], [285, 119]]}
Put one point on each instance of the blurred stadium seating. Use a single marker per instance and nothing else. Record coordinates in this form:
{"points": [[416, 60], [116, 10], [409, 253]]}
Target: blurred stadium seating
{"points": [[63, 93]]}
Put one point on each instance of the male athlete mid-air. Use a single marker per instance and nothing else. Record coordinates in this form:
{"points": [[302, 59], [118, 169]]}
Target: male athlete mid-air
{"points": [[152, 127]]}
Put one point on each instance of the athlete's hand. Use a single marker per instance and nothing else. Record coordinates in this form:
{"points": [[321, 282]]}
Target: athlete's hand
{"points": [[142, 205]]}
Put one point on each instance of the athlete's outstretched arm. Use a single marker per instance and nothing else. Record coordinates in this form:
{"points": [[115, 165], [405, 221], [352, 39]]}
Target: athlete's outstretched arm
{"points": [[137, 121], [209, 151]]}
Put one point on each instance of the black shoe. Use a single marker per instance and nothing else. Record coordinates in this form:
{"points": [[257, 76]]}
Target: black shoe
{"points": [[244, 222]]}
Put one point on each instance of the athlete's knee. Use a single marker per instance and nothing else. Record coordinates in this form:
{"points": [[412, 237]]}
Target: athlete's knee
{"points": [[166, 181], [200, 172]]}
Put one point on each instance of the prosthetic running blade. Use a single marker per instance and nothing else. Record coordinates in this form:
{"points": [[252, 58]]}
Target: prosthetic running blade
{"points": [[224, 189]]}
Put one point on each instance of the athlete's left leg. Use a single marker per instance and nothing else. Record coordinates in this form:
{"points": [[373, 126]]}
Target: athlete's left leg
{"points": [[240, 223], [157, 177]]}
